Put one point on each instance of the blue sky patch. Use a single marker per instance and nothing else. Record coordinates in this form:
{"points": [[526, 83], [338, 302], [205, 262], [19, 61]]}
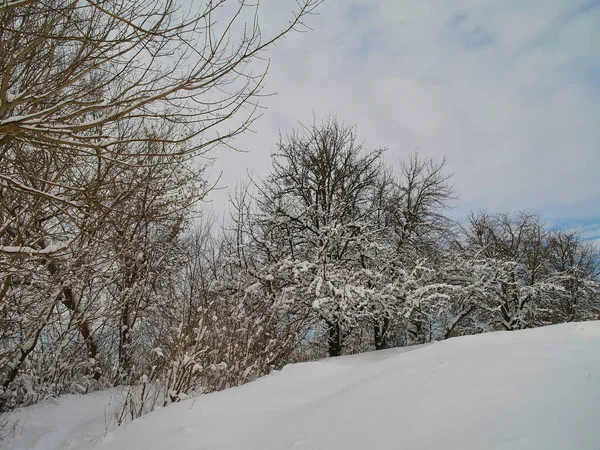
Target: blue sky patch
{"points": [[469, 36]]}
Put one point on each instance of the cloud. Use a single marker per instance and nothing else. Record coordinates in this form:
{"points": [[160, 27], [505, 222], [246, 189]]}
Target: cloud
{"points": [[591, 232], [469, 36], [508, 91]]}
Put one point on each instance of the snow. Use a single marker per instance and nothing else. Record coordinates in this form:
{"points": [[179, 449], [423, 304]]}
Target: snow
{"points": [[531, 389], [65, 423], [50, 249]]}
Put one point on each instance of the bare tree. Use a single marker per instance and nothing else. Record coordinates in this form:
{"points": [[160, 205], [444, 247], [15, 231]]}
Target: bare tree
{"points": [[80, 79], [412, 208], [540, 277], [105, 108], [575, 266], [313, 208]]}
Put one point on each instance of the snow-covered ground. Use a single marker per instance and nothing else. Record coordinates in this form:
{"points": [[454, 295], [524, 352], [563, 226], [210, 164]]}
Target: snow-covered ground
{"points": [[533, 389], [68, 422]]}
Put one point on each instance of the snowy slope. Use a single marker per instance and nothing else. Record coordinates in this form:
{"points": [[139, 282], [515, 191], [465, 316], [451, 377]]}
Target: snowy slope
{"points": [[533, 389]]}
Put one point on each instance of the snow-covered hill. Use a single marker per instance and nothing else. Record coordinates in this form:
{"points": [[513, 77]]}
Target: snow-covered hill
{"points": [[533, 389]]}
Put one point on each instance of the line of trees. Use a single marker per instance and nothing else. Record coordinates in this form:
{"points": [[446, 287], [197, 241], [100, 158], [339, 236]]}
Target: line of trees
{"points": [[108, 277], [107, 109], [372, 258]]}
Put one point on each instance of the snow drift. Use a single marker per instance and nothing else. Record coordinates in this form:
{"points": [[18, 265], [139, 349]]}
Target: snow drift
{"points": [[532, 389]]}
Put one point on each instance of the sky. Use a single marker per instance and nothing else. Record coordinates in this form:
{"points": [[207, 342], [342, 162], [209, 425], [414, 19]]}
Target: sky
{"points": [[508, 91]]}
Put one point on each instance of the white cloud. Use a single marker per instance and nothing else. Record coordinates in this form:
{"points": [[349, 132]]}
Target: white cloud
{"points": [[591, 233], [500, 88]]}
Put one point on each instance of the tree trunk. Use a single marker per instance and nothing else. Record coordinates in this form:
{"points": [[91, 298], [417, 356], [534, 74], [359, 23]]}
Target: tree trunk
{"points": [[335, 339], [380, 332], [68, 299], [124, 344], [83, 326]]}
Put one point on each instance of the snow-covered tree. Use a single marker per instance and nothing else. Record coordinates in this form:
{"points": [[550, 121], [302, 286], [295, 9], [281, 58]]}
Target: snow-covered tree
{"points": [[104, 107], [538, 277], [310, 223], [409, 212]]}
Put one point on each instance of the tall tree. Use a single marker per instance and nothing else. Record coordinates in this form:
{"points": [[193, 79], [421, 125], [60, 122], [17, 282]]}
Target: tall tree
{"points": [[411, 210], [313, 211]]}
